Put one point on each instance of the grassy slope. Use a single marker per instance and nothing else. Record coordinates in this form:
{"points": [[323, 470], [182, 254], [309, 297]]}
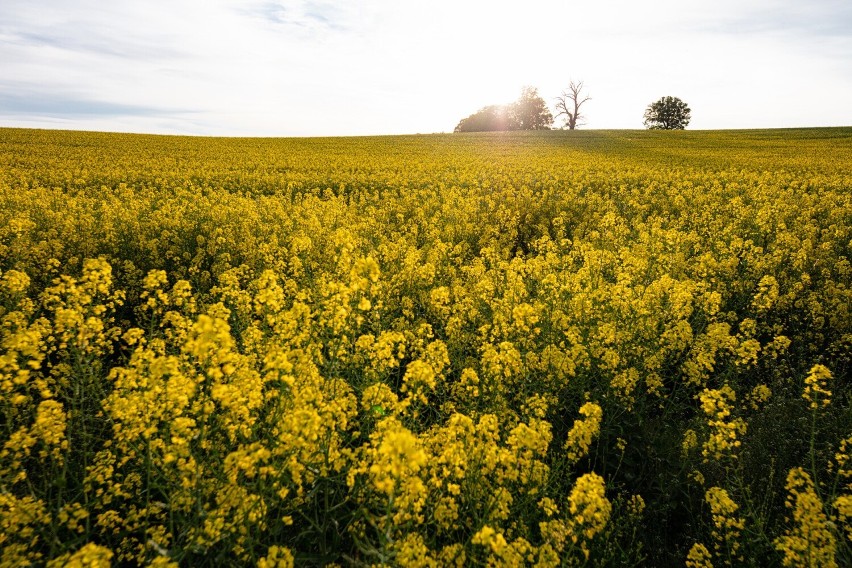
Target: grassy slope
{"points": [[790, 147]]}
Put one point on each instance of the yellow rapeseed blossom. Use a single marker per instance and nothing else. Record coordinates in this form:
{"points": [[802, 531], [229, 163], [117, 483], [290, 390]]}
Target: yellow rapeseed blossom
{"points": [[767, 294], [699, 557], [758, 396], [816, 390], [727, 526], [589, 510], [527, 444], [276, 557], [548, 506], [843, 505], [724, 431], [89, 556], [379, 400], [690, 441], [487, 536], [809, 541], [636, 505], [14, 282], [584, 431], [412, 552], [22, 521], [706, 351], [49, 426], [396, 455]]}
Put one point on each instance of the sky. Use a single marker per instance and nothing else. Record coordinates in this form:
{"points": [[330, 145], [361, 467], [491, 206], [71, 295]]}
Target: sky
{"points": [[363, 67]]}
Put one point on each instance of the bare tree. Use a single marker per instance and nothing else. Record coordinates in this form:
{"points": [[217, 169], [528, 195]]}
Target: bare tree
{"points": [[569, 103]]}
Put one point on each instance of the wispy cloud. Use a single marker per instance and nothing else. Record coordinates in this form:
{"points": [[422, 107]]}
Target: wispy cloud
{"points": [[307, 15], [70, 105], [86, 40], [792, 18]]}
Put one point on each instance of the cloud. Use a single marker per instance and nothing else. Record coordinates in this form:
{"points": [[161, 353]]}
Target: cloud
{"points": [[308, 16], [86, 40], [816, 18], [65, 105]]}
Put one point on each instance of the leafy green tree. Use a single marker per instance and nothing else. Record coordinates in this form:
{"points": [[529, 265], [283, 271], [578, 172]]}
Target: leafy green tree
{"points": [[529, 112], [668, 113], [486, 119]]}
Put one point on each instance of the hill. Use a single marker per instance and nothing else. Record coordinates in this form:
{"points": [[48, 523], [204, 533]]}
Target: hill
{"points": [[550, 348]]}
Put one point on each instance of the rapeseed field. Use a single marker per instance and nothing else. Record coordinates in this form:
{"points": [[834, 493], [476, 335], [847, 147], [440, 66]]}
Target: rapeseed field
{"points": [[605, 348]]}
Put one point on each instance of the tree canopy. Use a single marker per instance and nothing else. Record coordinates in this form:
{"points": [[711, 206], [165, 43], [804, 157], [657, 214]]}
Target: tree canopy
{"points": [[486, 119], [668, 113], [529, 112]]}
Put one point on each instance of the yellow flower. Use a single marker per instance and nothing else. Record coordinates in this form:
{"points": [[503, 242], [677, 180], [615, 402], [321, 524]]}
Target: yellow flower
{"points": [[584, 431], [488, 536], [810, 541], [379, 400], [14, 282], [412, 552], [396, 455], [503, 361], [843, 504], [690, 441], [527, 444], [816, 387], [722, 441], [758, 396], [636, 505], [419, 380], [23, 521], [767, 294], [727, 526], [50, 425], [276, 557], [589, 508], [89, 556], [699, 557], [548, 506]]}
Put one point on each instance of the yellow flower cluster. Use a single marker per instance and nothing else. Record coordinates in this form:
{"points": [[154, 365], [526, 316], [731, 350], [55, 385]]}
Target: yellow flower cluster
{"points": [[810, 541], [49, 427], [89, 556], [278, 557], [588, 506], [699, 557], [758, 396], [816, 390], [581, 434], [502, 553], [727, 526], [396, 458], [843, 469], [722, 441]]}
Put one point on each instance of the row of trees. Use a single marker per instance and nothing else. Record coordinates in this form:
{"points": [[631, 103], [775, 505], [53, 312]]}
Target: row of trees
{"points": [[530, 112]]}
